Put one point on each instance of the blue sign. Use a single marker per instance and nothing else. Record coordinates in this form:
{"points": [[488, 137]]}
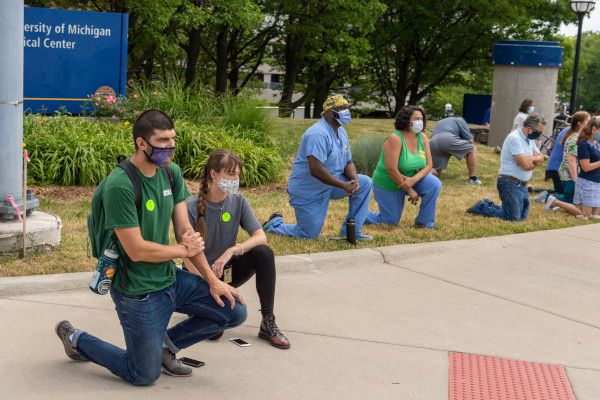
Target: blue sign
{"points": [[70, 55], [527, 53]]}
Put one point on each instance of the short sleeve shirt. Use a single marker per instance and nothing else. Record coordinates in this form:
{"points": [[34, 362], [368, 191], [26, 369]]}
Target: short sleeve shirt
{"points": [[456, 126], [320, 142], [570, 148], [516, 143], [153, 219], [557, 152], [589, 151], [222, 222]]}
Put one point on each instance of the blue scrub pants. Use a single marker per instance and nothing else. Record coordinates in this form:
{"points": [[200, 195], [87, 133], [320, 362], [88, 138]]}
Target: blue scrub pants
{"points": [[311, 213], [391, 204], [515, 202]]}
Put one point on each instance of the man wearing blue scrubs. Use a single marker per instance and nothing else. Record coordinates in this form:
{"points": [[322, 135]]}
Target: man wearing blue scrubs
{"points": [[324, 170]]}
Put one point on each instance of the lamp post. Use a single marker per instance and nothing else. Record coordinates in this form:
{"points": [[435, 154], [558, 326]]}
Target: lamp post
{"points": [[581, 7]]}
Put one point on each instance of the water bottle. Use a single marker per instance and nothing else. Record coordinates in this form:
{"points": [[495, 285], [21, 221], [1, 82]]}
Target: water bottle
{"points": [[105, 271], [351, 231]]}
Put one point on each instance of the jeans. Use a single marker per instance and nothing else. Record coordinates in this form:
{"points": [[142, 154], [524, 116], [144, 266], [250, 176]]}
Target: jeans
{"points": [[391, 204], [311, 213], [515, 202], [144, 319]]}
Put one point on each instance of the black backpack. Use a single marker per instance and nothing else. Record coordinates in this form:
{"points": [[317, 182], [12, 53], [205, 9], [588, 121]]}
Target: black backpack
{"points": [[100, 238]]}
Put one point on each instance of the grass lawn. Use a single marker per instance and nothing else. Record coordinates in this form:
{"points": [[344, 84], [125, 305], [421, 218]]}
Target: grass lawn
{"points": [[72, 204]]}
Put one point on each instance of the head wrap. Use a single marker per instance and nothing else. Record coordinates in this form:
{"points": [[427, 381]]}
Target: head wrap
{"points": [[333, 101]]}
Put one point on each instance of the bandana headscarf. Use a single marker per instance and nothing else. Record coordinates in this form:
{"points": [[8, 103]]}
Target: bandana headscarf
{"points": [[333, 101]]}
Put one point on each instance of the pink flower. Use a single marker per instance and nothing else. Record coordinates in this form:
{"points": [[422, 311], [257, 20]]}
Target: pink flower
{"points": [[114, 116], [122, 110], [155, 92], [137, 111], [135, 96]]}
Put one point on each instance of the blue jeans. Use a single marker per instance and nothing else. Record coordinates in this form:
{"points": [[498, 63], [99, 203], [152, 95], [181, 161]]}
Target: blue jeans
{"points": [[311, 213], [391, 204], [515, 202], [144, 319]]}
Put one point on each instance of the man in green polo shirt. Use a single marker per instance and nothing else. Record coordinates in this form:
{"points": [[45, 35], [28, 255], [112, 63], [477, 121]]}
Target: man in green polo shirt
{"points": [[155, 287]]}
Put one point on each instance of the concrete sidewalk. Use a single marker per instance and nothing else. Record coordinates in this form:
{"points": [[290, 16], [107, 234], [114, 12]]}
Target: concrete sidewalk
{"points": [[364, 324]]}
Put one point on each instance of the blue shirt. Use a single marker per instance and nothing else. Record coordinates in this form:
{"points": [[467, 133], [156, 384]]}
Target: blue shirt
{"points": [[320, 142], [557, 152], [514, 144], [453, 125], [587, 150]]}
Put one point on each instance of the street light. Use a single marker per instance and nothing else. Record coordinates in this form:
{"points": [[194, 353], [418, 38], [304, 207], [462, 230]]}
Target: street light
{"points": [[581, 8]]}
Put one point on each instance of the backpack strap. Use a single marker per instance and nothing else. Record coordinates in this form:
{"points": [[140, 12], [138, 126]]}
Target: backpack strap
{"points": [[170, 177], [127, 166]]}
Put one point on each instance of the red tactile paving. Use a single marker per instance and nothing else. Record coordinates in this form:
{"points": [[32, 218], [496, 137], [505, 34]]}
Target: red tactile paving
{"points": [[474, 377]]}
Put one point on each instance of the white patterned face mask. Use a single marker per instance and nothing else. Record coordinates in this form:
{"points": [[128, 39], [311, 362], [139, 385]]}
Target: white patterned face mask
{"points": [[229, 187]]}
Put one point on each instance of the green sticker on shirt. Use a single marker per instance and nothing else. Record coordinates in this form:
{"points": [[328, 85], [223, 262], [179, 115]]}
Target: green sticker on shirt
{"points": [[226, 217], [150, 205]]}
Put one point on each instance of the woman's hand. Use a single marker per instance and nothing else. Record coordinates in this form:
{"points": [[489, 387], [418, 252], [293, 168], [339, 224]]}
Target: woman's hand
{"points": [[221, 262], [412, 195], [407, 184]]}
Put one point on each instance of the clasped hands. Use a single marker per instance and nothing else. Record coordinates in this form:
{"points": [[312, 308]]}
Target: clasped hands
{"points": [[193, 241], [351, 187], [407, 186]]}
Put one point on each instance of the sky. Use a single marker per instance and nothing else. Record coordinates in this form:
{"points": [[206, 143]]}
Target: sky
{"points": [[591, 22]]}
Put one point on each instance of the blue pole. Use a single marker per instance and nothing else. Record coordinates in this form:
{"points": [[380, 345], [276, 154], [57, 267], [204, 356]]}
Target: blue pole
{"points": [[11, 105]]}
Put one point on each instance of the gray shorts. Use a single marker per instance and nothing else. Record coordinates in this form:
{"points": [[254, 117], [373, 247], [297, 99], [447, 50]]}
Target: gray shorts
{"points": [[446, 144]]}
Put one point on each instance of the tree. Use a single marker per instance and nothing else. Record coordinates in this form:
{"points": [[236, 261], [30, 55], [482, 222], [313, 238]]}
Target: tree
{"points": [[418, 46]]}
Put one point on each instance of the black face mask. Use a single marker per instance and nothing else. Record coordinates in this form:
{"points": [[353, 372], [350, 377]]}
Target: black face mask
{"points": [[534, 135]]}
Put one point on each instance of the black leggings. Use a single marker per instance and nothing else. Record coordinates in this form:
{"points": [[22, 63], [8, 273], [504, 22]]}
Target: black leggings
{"points": [[259, 260], [558, 186]]}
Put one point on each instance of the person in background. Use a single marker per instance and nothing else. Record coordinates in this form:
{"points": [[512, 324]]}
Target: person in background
{"points": [[452, 137], [568, 168], [525, 110], [217, 212], [404, 169], [579, 120], [587, 186], [519, 157]]}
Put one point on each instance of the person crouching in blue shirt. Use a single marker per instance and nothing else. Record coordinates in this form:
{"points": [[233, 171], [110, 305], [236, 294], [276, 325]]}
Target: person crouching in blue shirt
{"points": [[324, 170], [519, 158]]}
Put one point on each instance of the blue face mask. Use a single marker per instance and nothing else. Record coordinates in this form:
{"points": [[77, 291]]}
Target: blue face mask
{"points": [[531, 109], [160, 156], [343, 118], [417, 126]]}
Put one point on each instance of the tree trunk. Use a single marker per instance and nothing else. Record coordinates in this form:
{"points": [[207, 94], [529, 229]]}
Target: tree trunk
{"points": [[221, 63], [193, 52], [294, 47], [307, 104]]}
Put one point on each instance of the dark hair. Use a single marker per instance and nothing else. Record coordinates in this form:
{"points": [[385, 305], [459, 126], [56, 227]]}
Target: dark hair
{"points": [[403, 117], [586, 133], [577, 119], [220, 159], [597, 113], [525, 105], [145, 125]]}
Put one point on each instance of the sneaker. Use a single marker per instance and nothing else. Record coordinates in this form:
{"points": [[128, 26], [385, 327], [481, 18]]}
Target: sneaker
{"points": [[580, 216], [474, 181], [540, 198], [270, 332], [216, 337], [471, 210], [421, 226], [497, 150], [595, 216], [549, 202], [172, 366], [362, 236], [268, 222], [64, 329]]}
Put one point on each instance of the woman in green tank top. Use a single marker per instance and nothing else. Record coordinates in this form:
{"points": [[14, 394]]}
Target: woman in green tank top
{"points": [[404, 169]]}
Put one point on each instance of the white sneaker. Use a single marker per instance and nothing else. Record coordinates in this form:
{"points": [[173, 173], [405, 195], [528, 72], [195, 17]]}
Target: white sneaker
{"points": [[580, 216], [549, 202], [540, 198], [595, 216], [474, 181]]}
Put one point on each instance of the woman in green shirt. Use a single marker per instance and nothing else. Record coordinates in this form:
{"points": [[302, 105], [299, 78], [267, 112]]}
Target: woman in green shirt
{"points": [[404, 169]]}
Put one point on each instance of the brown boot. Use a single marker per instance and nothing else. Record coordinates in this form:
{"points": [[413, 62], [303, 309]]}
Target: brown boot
{"points": [[270, 332]]}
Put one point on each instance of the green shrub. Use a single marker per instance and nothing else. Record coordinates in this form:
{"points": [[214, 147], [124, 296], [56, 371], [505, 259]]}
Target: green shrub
{"points": [[366, 151], [80, 151]]}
